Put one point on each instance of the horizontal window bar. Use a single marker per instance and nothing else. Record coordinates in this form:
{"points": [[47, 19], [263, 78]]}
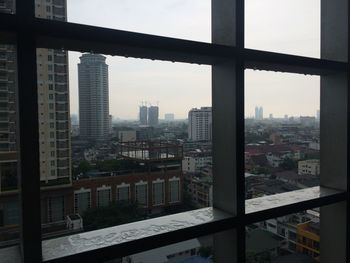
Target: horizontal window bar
{"points": [[271, 206], [83, 38], [135, 237]]}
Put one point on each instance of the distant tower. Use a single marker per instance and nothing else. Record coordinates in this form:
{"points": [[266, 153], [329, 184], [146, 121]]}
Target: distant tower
{"points": [[261, 113], [93, 97], [271, 116], [143, 115], [200, 124], [256, 112], [153, 115], [318, 115]]}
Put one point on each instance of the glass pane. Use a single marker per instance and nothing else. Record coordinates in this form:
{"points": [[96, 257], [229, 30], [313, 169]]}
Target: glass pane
{"points": [[9, 202], [291, 26], [291, 238], [110, 153], [282, 134], [171, 18]]}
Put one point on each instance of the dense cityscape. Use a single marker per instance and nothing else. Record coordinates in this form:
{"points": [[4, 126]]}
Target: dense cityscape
{"points": [[97, 171]]}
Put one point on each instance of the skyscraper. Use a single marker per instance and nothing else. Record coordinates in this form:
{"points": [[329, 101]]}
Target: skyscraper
{"points": [[54, 122], [93, 97], [259, 114], [153, 115], [143, 115], [256, 112], [200, 124]]}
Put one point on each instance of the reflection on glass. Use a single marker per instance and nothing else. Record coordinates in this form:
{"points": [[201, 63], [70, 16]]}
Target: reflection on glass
{"points": [[291, 238], [9, 205]]}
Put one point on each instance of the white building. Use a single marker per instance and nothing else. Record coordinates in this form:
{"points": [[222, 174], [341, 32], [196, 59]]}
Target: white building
{"points": [[200, 124], [309, 167], [193, 164]]}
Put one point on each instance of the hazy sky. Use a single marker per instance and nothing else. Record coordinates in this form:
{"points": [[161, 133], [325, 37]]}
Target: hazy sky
{"points": [[290, 26]]}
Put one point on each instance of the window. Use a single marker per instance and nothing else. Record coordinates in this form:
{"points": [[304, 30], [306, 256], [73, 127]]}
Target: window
{"points": [[229, 59], [123, 192], [56, 209], [158, 192], [103, 196], [82, 201], [174, 185]]}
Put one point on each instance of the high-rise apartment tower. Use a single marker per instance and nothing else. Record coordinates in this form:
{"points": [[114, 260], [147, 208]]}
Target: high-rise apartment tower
{"points": [[200, 124], [93, 97]]}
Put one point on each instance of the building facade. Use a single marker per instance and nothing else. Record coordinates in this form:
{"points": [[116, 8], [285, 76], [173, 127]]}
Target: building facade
{"points": [[194, 164], [200, 124], [93, 97], [54, 125], [153, 116]]}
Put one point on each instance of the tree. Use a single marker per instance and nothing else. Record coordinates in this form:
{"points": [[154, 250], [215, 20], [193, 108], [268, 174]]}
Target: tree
{"points": [[288, 164], [84, 167]]}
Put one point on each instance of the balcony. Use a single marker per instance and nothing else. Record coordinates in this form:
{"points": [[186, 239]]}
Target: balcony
{"points": [[59, 2], [61, 88], [61, 107]]}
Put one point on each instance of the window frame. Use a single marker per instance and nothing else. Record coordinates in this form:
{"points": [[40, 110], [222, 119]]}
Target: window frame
{"points": [[229, 59]]}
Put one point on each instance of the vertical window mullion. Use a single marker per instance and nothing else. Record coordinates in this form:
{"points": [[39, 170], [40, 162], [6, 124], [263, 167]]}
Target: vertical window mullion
{"points": [[28, 135], [228, 127], [334, 133]]}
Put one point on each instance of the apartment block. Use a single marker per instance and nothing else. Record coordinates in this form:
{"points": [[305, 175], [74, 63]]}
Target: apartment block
{"points": [[93, 97], [200, 124]]}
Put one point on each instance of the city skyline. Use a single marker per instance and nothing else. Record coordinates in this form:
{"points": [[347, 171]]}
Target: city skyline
{"points": [[179, 86]]}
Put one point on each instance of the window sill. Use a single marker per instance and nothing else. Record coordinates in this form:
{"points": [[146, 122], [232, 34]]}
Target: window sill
{"points": [[262, 208], [135, 237], [127, 239]]}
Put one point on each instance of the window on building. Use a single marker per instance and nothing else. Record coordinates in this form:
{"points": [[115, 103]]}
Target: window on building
{"points": [[123, 192], [158, 193], [141, 193], [103, 197], [56, 209], [174, 185], [82, 201]]}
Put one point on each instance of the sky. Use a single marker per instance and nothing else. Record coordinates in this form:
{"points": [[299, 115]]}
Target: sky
{"points": [[288, 26]]}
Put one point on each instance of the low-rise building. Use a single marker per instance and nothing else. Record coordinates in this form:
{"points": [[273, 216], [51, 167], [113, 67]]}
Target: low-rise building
{"points": [[309, 167], [127, 136], [199, 189], [308, 238], [195, 162]]}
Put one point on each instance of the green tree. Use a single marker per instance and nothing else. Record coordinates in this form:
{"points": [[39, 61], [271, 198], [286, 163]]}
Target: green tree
{"points": [[288, 164], [84, 166]]}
